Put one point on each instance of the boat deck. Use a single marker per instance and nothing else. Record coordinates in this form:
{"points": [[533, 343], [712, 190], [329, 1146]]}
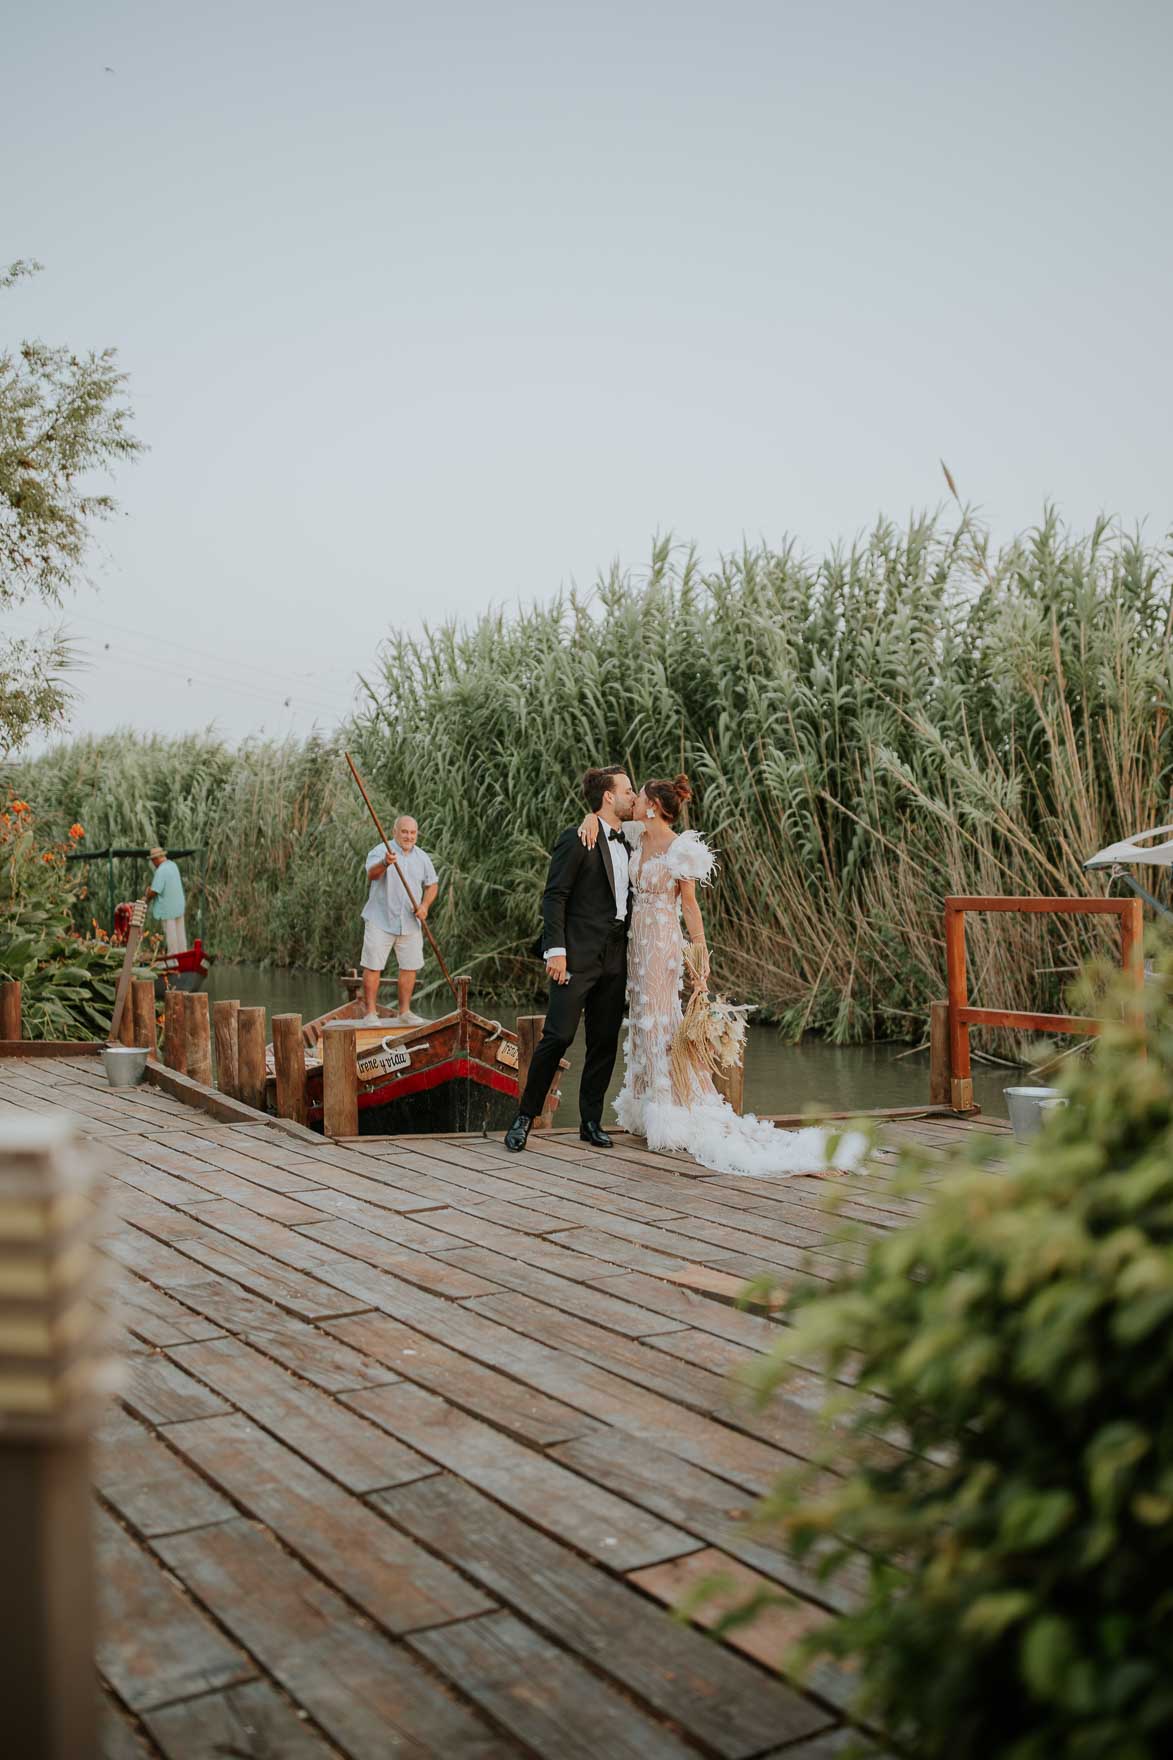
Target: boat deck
{"points": [[419, 1441]]}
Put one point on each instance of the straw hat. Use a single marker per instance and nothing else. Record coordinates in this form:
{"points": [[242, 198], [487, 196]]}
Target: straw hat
{"points": [[161, 853]]}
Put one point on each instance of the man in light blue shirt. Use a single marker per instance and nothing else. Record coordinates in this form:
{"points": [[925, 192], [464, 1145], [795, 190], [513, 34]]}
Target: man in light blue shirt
{"points": [[167, 901], [390, 920]]}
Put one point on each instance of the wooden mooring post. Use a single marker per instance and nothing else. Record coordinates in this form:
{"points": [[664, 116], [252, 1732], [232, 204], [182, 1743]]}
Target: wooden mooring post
{"points": [[142, 1012], [529, 1031], [10, 1027], [226, 1037], [289, 1068], [175, 1031], [51, 1340], [250, 1057], [198, 1032], [339, 1079], [730, 1083], [940, 1087]]}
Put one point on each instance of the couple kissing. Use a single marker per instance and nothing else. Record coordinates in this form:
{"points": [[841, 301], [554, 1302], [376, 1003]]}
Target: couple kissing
{"points": [[618, 886]]}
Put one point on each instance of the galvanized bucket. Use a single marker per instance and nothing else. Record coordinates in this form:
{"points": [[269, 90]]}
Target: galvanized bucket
{"points": [[1027, 1107], [125, 1065]]}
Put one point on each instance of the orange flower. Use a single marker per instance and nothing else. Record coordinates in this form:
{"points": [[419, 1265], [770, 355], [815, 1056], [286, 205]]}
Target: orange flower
{"points": [[21, 807], [48, 856], [76, 831]]}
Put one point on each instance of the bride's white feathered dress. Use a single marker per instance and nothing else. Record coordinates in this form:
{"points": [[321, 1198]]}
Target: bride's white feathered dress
{"points": [[700, 1121]]}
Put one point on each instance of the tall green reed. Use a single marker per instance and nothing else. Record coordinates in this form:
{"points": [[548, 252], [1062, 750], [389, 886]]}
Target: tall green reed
{"points": [[915, 715]]}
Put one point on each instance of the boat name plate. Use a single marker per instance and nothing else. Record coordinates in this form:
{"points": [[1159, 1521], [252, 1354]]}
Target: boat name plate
{"points": [[383, 1062], [507, 1053]]}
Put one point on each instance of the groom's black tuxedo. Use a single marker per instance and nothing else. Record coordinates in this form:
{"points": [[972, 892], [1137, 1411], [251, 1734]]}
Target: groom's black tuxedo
{"points": [[579, 914]]}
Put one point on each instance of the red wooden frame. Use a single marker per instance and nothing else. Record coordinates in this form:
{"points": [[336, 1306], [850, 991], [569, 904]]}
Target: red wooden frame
{"points": [[962, 1017]]}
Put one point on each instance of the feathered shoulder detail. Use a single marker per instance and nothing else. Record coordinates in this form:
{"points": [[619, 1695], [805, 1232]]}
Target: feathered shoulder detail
{"points": [[632, 830], [690, 858]]}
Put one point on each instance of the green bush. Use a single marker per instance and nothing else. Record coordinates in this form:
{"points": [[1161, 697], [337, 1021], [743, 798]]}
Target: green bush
{"points": [[67, 980], [1017, 1340]]}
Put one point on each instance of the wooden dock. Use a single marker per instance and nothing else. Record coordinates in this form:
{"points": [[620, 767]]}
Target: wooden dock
{"points": [[418, 1441]]}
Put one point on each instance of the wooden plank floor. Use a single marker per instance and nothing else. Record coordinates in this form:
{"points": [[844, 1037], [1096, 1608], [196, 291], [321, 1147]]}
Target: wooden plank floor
{"points": [[418, 1441]]}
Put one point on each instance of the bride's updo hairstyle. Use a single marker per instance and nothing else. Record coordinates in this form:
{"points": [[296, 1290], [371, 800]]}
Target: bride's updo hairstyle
{"points": [[670, 797]]}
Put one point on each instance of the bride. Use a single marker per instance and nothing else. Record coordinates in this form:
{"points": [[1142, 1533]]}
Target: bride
{"points": [[665, 870]]}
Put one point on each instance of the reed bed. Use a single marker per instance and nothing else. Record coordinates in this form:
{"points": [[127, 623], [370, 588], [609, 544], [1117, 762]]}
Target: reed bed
{"points": [[911, 716]]}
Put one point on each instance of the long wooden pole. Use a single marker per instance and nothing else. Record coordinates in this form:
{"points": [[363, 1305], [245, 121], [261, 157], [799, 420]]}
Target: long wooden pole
{"points": [[134, 936], [395, 864]]}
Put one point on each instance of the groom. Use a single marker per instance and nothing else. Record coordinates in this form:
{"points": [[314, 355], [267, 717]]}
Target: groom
{"points": [[586, 908]]}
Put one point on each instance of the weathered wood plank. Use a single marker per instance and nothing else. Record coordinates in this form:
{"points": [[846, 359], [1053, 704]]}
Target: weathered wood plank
{"points": [[545, 1696], [155, 1491], [156, 1318], [369, 1695], [770, 1637], [252, 1721], [507, 1403], [157, 1390], [598, 1392], [705, 1505], [397, 1582], [118, 1737], [444, 1278], [573, 1297], [720, 1698], [332, 1439], [593, 1520], [153, 1645]]}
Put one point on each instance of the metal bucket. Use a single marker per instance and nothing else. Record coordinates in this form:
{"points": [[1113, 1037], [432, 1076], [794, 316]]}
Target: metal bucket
{"points": [[1027, 1107], [125, 1065]]}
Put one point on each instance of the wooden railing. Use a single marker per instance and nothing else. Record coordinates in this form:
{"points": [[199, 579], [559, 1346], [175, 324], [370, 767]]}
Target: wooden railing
{"points": [[962, 1017]]}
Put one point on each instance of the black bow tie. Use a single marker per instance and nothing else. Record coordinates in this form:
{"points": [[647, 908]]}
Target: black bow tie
{"points": [[614, 836]]}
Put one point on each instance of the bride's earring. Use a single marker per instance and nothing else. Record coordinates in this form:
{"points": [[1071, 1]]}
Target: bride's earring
{"points": [[651, 812]]}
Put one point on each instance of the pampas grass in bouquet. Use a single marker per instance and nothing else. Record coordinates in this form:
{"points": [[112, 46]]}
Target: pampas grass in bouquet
{"points": [[711, 1035]]}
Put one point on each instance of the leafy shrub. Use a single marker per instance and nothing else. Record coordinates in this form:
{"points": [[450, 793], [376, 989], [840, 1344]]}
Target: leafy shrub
{"points": [[1019, 1336], [67, 980]]}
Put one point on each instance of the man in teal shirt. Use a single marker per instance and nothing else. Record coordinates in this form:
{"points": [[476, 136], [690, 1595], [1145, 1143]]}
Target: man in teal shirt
{"points": [[167, 901]]}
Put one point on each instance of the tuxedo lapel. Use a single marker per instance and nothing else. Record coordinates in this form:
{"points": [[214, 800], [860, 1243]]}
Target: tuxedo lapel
{"points": [[608, 865]]}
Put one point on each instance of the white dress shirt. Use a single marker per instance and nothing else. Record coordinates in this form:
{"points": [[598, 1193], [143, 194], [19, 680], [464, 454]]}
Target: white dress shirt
{"points": [[619, 854]]}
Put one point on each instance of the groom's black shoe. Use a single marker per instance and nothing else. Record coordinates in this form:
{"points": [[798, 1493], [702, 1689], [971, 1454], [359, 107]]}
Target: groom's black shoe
{"points": [[518, 1132], [590, 1132]]}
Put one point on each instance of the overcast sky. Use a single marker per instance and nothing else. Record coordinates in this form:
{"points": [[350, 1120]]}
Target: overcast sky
{"points": [[431, 306]]}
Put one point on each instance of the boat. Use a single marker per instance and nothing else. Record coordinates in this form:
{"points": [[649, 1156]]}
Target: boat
{"points": [[173, 971], [183, 971], [1151, 849], [455, 1074]]}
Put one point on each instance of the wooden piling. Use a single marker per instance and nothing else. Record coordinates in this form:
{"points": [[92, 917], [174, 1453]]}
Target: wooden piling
{"points": [[48, 1402], [175, 1031], [250, 1057], [529, 1031], [289, 1065], [960, 1080], [940, 1093], [198, 1027], [10, 1008], [226, 1037], [142, 1010], [126, 1023], [730, 1083], [339, 1079]]}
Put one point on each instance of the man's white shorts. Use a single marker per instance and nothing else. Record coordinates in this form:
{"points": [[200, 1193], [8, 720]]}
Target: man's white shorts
{"points": [[377, 945]]}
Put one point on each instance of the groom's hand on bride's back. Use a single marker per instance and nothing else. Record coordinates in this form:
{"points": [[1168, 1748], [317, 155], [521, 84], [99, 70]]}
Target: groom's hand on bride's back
{"points": [[556, 969]]}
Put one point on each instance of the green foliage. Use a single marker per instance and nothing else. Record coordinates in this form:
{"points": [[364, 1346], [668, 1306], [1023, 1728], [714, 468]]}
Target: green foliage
{"points": [[67, 980], [912, 717], [1016, 1343], [62, 417]]}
